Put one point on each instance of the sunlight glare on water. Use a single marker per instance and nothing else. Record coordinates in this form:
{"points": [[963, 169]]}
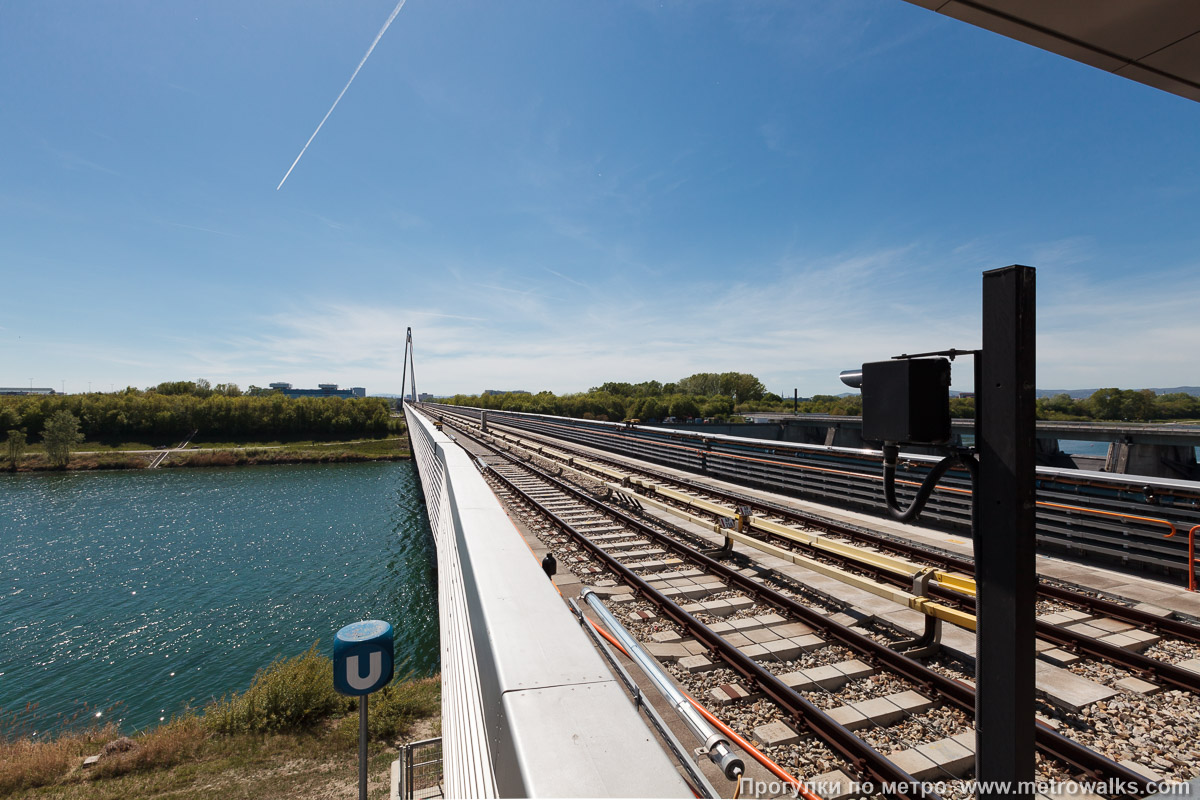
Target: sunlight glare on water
{"points": [[150, 590]]}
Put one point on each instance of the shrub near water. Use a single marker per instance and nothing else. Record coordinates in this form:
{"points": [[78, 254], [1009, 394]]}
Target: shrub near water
{"points": [[289, 694], [287, 698], [394, 709]]}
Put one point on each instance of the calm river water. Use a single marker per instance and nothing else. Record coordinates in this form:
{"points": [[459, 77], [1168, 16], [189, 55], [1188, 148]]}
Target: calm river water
{"points": [[135, 593]]}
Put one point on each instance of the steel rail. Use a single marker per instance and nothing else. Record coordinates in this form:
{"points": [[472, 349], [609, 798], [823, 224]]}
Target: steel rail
{"points": [[959, 694], [1174, 627], [901, 567]]}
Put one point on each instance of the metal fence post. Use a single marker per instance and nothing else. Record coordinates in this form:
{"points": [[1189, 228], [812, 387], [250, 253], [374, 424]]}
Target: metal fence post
{"points": [[408, 772]]}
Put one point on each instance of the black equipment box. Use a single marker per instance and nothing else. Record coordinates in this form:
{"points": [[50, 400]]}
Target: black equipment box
{"points": [[906, 400]]}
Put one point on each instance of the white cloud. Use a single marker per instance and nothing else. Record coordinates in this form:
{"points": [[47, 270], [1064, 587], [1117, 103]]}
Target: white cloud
{"points": [[799, 328], [1131, 332], [817, 318]]}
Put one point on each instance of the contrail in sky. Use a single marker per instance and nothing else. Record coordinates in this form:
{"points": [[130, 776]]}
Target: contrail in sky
{"points": [[370, 49]]}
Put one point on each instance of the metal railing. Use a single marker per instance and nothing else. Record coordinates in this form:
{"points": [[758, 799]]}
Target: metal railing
{"points": [[529, 708], [421, 770], [469, 765]]}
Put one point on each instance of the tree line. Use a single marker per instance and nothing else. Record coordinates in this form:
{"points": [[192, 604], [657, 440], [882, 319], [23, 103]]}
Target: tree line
{"points": [[1102, 405], [725, 395], [705, 395], [1120, 404], [221, 414]]}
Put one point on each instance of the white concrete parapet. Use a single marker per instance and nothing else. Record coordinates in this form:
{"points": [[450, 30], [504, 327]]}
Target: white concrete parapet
{"points": [[529, 708]]}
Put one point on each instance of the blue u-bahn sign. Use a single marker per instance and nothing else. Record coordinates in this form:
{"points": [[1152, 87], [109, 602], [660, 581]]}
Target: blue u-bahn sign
{"points": [[363, 657]]}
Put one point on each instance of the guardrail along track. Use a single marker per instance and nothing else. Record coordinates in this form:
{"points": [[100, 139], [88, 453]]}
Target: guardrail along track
{"points": [[1122, 518], [610, 530]]}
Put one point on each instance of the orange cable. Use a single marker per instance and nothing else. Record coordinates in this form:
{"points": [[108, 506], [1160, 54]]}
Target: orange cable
{"points": [[1112, 514]]}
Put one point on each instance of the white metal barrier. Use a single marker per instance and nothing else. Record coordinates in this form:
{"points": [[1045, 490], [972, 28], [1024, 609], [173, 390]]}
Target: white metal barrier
{"points": [[529, 709]]}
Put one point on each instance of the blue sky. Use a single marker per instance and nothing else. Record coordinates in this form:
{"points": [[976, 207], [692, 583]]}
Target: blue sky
{"points": [[557, 194]]}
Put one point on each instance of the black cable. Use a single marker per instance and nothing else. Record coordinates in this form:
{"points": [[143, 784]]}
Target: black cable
{"points": [[891, 454]]}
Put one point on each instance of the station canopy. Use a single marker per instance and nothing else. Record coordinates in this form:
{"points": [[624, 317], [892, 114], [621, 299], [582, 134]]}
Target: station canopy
{"points": [[1155, 42]]}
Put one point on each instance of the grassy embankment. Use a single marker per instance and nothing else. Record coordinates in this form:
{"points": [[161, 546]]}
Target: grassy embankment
{"points": [[289, 735], [134, 455]]}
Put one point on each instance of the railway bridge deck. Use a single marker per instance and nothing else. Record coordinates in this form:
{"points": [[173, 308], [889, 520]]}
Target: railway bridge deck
{"points": [[770, 637]]}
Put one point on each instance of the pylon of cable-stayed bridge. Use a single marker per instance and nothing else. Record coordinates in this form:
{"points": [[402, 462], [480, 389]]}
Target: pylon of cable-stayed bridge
{"points": [[408, 369]]}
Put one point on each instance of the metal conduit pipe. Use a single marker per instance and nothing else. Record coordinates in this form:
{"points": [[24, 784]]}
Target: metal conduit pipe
{"points": [[715, 745], [747, 748], [695, 779]]}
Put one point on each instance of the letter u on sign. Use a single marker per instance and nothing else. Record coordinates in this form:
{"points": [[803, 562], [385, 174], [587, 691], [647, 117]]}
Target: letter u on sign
{"points": [[354, 677]]}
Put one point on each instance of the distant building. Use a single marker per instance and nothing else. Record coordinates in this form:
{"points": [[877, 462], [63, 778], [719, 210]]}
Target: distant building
{"points": [[487, 392], [322, 390], [425, 397], [25, 390]]}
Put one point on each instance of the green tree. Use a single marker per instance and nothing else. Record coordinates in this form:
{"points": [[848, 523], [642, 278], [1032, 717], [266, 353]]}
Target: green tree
{"points": [[684, 407], [1177, 405], [962, 407], [1105, 403], [704, 384], [614, 387], [15, 447], [59, 435], [1061, 406], [1138, 405], [740, 386], [717, 407], [651, 409]]}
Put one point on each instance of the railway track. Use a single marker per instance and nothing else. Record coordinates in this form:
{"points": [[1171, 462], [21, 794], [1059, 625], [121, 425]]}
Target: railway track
{"points": [[1076, 621], [1138, 522], [733, 633], [1083, 725]]}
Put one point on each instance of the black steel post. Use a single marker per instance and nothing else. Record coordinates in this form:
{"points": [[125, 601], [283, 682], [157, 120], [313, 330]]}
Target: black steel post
{"points": [[362, 747], [1005, 572], [795, 401]]}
